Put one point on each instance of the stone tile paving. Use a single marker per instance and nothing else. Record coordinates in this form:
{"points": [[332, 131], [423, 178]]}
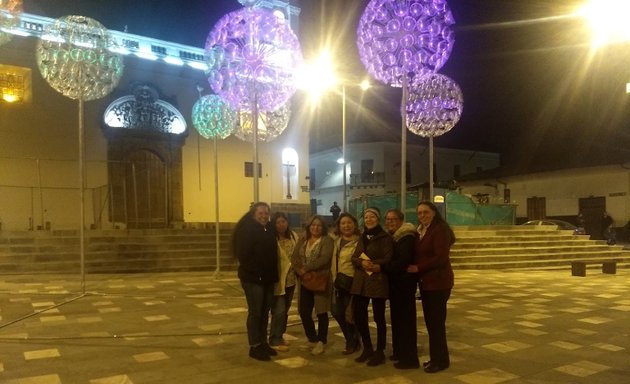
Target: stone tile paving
{"points": [[503, 327]]}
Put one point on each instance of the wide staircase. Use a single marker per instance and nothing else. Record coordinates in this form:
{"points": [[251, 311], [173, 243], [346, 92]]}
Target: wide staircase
{"points": [[116, 251], [528, 247], [173, 250]]}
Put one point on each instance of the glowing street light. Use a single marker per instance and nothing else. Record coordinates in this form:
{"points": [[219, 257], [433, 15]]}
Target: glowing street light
{"points": [[608, 20], [318, 77]]}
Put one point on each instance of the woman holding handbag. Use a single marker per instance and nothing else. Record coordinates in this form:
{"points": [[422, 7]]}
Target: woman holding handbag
{"points": [[343, 272], [311, 261]]}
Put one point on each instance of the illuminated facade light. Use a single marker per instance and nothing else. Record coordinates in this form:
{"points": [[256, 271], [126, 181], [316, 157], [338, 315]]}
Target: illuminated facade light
{"points": [[15, 84]]}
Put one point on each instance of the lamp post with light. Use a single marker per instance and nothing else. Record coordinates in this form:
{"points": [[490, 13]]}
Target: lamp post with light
{"points": [[316, 78]]}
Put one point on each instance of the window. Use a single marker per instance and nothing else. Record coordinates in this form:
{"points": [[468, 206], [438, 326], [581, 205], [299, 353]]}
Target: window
{"points": [[249, 169], [312, 180], [367, 171], [290, 173]]}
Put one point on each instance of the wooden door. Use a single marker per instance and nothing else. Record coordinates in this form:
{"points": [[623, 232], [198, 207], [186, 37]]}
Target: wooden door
{"points": [[536, 208], [593, 209], [146, 192]]}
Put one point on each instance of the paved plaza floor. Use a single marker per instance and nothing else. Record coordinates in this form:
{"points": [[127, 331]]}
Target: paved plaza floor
{"points": [[503, 327]]}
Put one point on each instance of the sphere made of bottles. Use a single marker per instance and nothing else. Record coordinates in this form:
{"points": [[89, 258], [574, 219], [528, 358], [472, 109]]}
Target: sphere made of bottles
{"points": [[270, 124], [405, 38], [434, 105], [10, 13], [212, 117], [75, 56], [253, 56]]}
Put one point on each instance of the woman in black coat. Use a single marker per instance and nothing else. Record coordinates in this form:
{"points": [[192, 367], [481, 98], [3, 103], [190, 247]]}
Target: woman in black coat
{"points": [[256, 249], [402, 291]]}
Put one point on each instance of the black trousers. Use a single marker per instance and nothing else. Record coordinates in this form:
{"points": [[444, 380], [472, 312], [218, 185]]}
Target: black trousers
{"points": [[434, 308], [402, 306], [361, 320]]}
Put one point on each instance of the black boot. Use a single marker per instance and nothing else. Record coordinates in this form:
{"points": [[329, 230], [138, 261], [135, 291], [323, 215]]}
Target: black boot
{"points": [[365, 355], [258, 352], [270, 351], [377, 358]]}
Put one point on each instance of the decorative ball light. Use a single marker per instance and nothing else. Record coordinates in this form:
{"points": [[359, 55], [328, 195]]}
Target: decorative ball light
{"points": [[74, 56], [404, 38], [434, 106], [212, 117], [10, 12], [252, 56], [270, 124]]}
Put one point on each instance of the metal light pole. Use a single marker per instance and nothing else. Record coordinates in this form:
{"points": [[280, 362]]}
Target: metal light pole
{"points": [[403, 148], [343, 147]]}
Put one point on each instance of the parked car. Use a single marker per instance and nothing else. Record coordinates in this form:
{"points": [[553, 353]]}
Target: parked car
{"points": [[560, 224]]}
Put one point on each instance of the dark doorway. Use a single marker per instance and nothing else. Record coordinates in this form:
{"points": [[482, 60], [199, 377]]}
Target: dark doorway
{"points": [[536, 208], [146, 180], [592, 209]]}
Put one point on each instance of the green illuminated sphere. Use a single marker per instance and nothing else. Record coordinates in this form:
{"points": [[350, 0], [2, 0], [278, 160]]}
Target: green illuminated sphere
{"points": [[212, 117]]}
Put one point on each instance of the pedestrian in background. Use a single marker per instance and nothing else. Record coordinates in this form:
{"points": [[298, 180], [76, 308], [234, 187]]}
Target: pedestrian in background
{"points": [[335, 210]]}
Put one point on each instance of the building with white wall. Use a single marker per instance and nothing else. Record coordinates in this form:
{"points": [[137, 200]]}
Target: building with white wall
{"points": [[374, 169], [560, 193], [134, 178]]}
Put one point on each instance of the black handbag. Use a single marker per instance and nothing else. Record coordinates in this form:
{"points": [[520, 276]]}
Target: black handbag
{"points": [[343, 282]]}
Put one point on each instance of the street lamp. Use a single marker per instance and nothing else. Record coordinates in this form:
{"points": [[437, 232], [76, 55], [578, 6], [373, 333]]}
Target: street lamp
{"points": [[318, 77], [607, 19]]}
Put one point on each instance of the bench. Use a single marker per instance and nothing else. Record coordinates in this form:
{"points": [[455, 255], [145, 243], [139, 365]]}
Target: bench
{"points": [[578, 267]]}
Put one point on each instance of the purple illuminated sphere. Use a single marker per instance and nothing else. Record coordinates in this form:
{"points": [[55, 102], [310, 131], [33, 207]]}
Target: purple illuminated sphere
{"points": [[253, 56], [434, 106], [411, 37]]}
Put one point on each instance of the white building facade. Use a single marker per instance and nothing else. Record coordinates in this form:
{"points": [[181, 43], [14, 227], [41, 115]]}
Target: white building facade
{"points": [[374, 169]]}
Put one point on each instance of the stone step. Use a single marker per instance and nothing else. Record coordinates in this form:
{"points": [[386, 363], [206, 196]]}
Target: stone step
{"points": [[194, 249], [565, 248], [555, 256], [513, 243], [534, 265]]}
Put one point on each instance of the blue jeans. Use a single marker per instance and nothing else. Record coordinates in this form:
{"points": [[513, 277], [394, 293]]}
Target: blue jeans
{"points": [[280, 315], [259, 298]]}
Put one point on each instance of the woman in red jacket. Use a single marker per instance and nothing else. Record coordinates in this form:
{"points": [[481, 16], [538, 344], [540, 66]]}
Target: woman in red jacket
{"points": [[436, 280]]}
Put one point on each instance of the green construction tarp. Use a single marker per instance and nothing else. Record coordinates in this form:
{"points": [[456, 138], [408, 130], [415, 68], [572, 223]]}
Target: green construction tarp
{"points": [[457, 209]]}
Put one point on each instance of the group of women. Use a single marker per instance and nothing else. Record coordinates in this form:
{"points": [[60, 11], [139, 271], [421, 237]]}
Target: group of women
{"points": [[365, 266]]}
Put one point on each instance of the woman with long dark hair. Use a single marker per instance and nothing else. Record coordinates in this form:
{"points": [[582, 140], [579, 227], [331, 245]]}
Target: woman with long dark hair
{"points": [[314, 253], [256, 249], [436, 279], [285, 287]]}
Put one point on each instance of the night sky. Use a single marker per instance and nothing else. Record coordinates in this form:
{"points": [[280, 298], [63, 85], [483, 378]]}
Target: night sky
{"points": [[534, 90]]}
